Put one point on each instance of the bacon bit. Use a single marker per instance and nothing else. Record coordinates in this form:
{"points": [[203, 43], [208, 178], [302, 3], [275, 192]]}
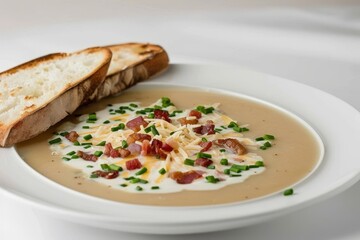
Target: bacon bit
{"points": [[166, 147], [107, 175], [137, 137], [195, 113], [204, 162], [72, 136], [87, 157], [135, 123], [145, 148], [134, 148], [133, 164], [232, 144], [206, 146], [123, 152], [208, 128], [183, 121], [115, 153], [156, 150], [162, 114], [185, 177]]}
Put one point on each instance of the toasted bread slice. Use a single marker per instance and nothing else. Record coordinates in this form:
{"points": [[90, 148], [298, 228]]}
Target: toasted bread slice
{"points": [[39, 93], [130, 64]]}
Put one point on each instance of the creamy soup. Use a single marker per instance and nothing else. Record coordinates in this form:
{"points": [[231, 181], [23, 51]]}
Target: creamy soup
{"points": [[293, 154]]}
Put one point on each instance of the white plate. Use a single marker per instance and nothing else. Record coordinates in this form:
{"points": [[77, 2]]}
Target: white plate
{"points": [[336, 122]]}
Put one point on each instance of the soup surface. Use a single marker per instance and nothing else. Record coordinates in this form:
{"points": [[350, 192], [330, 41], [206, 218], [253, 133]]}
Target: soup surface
{"points": [[293, 155]]}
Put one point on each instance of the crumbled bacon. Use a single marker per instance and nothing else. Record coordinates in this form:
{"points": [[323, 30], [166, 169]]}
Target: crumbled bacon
{"points": [[134, 148], [185, 177], [166, 147], [232, 144], [72, 136], [184, 121], [87, 157], [108, 175], [123, 152], [133, 164], [204, 162], [195, 113], [137, 137], [145, 148], [114, 153], [208, 128], [162, 114], [205, 146], [135, 123], [156, 149]]}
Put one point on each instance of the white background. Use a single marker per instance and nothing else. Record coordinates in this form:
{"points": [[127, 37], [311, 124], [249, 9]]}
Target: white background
{"points": [[316, 43]]}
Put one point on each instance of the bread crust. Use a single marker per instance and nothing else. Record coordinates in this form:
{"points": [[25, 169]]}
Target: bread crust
{"points": [[66, 102], [156, 62]]}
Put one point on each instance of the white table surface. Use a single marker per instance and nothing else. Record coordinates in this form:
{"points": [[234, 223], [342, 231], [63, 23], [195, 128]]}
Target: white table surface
{"points": [[308, 42]]}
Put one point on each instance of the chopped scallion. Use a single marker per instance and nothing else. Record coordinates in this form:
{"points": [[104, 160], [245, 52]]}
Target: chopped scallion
{"points": [[54, 141], [141, 171], [288, 192], [189, 162], [88, 137], [224, 162], [162, 171], [98, 153]]}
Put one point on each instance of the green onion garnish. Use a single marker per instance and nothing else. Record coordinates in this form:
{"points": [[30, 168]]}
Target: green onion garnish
{"points": [[66, 158], [288, 192], [129, 178], [211, 167], [105, 167], [217, 129], [238, 168], [90, 121], [101, 143], [155, 187], [85, 127], [123, 185], [94, 175], [133, 105], [86, 143], [205, 110], [259, 139], [121, 111], [71, 153], [121, 126], [98, 153], [134, 180], [227, 171], [239, 129], [267, 144], [87, 146], [233, 124], [115, 129], [259, 163], [224, 162], [115, 167], [151, 115], [165, 101], [204, 139], [148, 129], [141, 171], [189, 162], [89, 166], [140, 112], [162, 171], [222, 150], [154, 130], [106, 122], [268, 137], [88, 137], [64, 134], [138, 188], [92, 116], [76, 143], [54, 141], [203, 155], [211, 179], [124, 144]]}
